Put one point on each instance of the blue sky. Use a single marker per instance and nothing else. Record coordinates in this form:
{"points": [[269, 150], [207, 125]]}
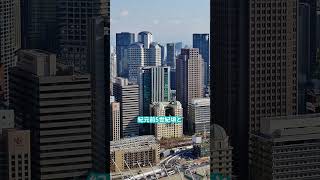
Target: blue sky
{"points": [[167, 20]]}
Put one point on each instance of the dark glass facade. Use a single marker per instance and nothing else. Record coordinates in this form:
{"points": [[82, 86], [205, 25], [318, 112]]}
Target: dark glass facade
{"points": [[123, 40], [229, 76]]}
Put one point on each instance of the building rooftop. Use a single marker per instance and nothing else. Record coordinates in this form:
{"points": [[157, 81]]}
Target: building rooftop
{"points": [[291, 128], [124, 82], [219, 133], [154, 45], [162, 105], [201, 102], [145, 32], [43, 63], [136, 45], [133, 144]]}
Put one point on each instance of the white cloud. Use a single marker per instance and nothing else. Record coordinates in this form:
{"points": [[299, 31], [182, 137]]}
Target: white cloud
{"points": [[124, 13]]}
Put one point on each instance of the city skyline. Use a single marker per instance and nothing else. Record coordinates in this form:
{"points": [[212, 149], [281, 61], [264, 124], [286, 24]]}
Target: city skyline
{"points": [[125, 16], [201, 89]]}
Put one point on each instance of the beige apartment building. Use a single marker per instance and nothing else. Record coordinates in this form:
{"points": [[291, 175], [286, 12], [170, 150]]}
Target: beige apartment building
{"points": [[173, 108], [115, 121], [189, 78]]}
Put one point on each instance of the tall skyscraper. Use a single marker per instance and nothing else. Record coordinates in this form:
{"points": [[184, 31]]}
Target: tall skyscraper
{"points": [[307, 47], [229, 86], [163, 52], [73, 19], [171, 55], [318, 24], [10, 37], [2, 82], [154, 85], [304, 56], [115, 121], [189, 78], [173, 108], [39, 25], [56, 104], [123, 40], [99, 61], [136, 58], [253, 73], [113, 66], [273, 72], [145, 38], [199, 116], [152, 55], [127, 94], [79, 32], [173, 79], [139, 56], [201, 41], [178, 48]]}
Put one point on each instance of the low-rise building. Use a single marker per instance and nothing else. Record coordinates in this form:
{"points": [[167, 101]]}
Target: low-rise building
{"points": [[134, 151]]}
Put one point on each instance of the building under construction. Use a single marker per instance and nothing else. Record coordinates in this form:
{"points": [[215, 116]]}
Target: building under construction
{"points": [[134, 152]]}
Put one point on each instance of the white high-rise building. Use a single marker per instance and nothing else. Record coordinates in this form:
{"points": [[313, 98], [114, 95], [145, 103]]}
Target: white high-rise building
{"points": [[145, 38], [199, 115], [127, 94], [139, 56], [113, 65], [136, 60], [153, 55]]}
